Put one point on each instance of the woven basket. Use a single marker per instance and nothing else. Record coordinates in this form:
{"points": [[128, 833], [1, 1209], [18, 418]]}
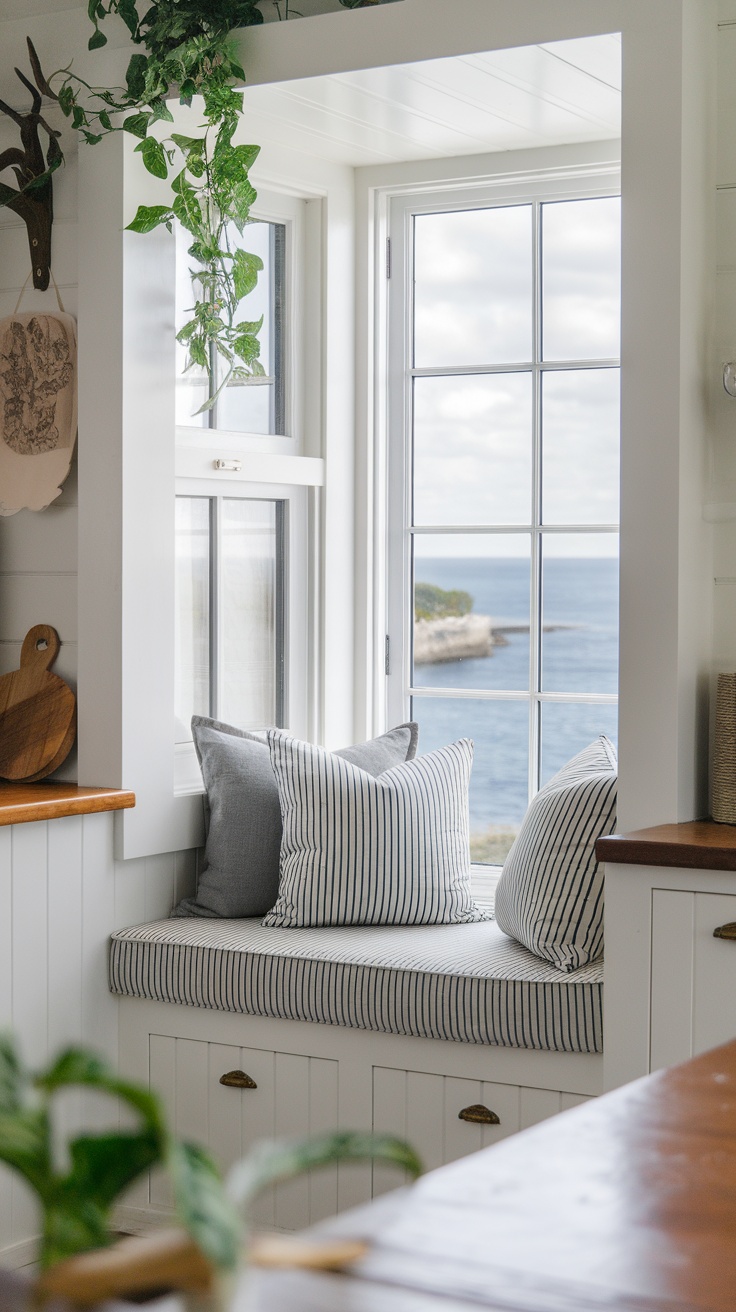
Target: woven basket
{"points": [[724, 752]]}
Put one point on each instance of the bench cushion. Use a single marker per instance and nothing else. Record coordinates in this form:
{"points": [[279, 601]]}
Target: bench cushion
{"points": [[468, 983]]}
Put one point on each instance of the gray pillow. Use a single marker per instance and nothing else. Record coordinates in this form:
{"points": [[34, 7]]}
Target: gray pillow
{"points": [[243, 815]]}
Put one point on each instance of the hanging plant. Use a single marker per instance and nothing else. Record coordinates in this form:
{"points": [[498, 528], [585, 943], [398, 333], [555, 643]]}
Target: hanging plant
{"points": [[189, 50]]}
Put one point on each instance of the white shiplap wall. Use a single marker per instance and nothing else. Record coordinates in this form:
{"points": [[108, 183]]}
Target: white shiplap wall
{"points": [[723, 503], [61, 891], [61, 896]]}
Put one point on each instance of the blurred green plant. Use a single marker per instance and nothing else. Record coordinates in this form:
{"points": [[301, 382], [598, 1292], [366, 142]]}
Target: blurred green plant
{"points": [[77, 1197], [433, 603]]}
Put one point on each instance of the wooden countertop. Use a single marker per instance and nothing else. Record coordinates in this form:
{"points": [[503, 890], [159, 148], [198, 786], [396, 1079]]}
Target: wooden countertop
{"points": [[695, 845], [627, 1203], [21, 803]]}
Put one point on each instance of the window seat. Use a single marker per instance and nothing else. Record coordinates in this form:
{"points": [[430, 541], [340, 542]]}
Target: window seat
{"points": [[466, 983]]}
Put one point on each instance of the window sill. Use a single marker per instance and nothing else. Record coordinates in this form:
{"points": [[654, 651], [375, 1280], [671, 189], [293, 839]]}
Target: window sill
{"points": [[22, 803]]}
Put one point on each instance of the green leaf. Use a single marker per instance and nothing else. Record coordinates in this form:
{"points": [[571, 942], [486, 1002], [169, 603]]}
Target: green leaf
{"points": [[13, 1076], [161, 111], [198, 352], [246, 327], [137, 124], [78, 117], [202, 1205], [129, 15], [246, 268], [154, 157], [187, 210], [78, 1066], [247, 347], [135, 77], [187, 331], [97, 40], [24, 1145], [105, 120], [104, 1165], [92, 138], [269, 1163], [188, 144]]}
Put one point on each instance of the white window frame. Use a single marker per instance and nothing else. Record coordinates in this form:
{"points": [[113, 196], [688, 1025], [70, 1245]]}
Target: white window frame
{"points": [[400, 211]]}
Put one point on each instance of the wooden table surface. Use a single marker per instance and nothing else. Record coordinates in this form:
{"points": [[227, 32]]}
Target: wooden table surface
{"points": [[627, 1202]]}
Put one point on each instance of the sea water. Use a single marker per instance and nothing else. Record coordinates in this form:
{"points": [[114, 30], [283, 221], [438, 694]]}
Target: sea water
{"points": [[579, 654]]}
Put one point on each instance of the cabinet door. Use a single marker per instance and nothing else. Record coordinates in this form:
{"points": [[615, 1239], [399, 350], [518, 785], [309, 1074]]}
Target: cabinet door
{"points": [[693, 982], [293, 1096], [425, 1110]]}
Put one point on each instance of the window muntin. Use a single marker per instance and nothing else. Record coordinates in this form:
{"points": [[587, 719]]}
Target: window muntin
{"points": [[230, 629], [523, 451], [248, 405]]}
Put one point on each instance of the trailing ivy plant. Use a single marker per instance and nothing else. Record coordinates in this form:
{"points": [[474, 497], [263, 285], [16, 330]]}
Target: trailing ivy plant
{"points": [[189, 51]]}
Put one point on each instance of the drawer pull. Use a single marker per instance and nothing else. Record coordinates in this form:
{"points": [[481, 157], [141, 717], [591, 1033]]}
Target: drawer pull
{"points": [[237, 1080], [726, 931], [478, 1115]]}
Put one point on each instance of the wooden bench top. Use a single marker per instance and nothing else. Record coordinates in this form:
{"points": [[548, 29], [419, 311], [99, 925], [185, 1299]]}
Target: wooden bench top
{"points": [[22, 803], [693, 845], [626, 1203]]}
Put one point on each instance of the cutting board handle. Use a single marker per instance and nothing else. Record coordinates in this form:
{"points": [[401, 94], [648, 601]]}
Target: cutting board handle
{"points": [[40, 647]]}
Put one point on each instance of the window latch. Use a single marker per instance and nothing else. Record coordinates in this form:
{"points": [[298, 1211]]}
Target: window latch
{"points": [[234, 466]]}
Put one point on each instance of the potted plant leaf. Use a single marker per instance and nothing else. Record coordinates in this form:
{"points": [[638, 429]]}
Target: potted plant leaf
{"points": [[77, 1196]]}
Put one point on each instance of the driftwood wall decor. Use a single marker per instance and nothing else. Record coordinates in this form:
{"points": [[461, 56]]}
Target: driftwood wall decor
{"points": [[32, 200]]}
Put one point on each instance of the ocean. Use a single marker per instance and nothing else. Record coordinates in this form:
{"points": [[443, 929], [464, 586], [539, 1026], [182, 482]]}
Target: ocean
{"points": [[581, 655]]}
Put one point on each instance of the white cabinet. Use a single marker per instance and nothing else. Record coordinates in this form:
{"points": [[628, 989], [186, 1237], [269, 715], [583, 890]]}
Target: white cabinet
{"points": [[291, 1095], [693, 982], [445, 1117], [670, 980]]}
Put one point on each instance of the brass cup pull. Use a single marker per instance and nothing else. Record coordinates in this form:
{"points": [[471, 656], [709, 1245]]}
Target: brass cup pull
{"points": [[237, 1080], [726, 931], [478, 1115]]}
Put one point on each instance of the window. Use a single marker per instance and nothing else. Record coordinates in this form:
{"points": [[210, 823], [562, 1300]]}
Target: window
{"points": [[249, 405], [230, 576], [503, 460], [242, 535]]}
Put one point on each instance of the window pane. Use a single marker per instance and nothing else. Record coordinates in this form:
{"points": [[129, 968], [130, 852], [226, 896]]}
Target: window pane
{"points": [[251, 624], [472, 287], [580, 612], [192, 623], [581, 277], [567, 729], [245, 406], [473, 449], [471, 611], [580, 446], [499, 780]]}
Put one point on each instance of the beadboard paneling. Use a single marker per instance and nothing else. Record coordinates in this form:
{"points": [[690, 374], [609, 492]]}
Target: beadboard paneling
{"points": [[39, 542], [61, 896]]}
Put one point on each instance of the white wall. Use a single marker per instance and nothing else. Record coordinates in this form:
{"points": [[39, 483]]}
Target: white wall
{"points": [[722, 494], [61, 895]]}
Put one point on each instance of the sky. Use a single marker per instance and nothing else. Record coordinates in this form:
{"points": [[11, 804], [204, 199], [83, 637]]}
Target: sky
{"points": [[473, 433]]}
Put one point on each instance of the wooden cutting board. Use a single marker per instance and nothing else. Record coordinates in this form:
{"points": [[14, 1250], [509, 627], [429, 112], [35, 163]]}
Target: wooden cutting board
{"points": [[38, 711]]}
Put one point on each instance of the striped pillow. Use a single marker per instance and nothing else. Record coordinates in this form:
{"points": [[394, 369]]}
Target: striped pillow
{"points": [[550, 895], [359, 850]]}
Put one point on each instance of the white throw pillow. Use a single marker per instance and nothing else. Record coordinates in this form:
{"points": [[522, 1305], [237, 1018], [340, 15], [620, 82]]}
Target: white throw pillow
{"points": [[550, 895], [359, 850]]}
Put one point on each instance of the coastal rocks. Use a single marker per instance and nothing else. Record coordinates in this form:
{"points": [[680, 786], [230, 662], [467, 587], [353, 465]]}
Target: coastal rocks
{"points": [[455, 638]]}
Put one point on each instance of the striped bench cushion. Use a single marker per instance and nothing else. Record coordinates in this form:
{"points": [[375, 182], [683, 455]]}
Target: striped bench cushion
{"points": [[468, 983]]}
